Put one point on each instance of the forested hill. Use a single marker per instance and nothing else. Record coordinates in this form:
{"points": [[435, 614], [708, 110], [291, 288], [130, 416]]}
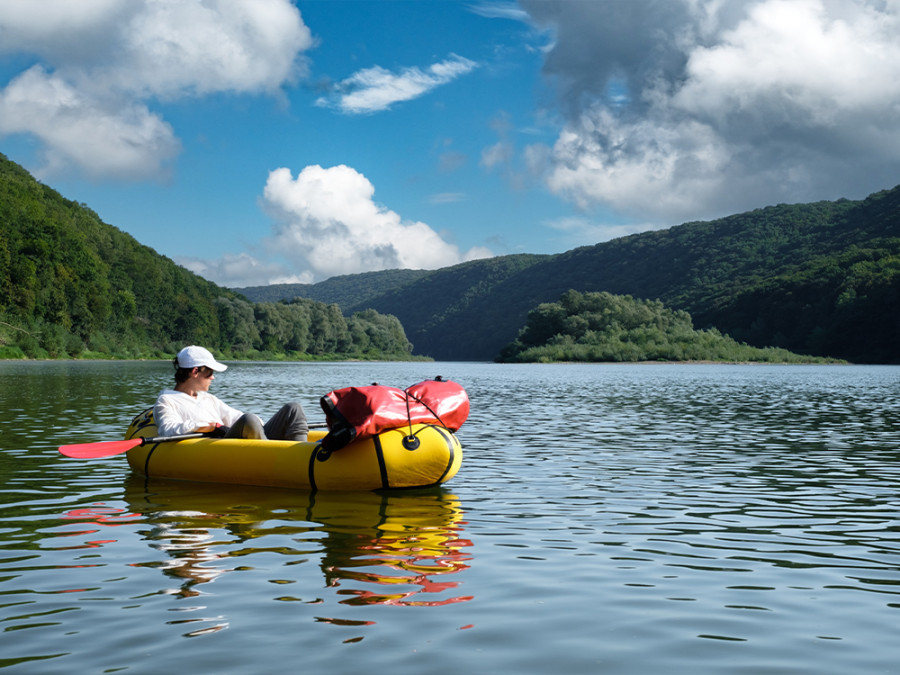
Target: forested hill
{"points": [[348, 290], [821, 278], [74, 286]]}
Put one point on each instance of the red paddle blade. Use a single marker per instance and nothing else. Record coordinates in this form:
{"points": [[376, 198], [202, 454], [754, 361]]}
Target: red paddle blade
{"points": [[102, 449]]}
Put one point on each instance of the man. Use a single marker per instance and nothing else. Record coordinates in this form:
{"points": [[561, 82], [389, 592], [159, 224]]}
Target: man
{"points": [[189, 407]]}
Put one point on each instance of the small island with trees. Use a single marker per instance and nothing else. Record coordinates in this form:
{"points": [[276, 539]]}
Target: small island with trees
{"points": [[601, 326]]}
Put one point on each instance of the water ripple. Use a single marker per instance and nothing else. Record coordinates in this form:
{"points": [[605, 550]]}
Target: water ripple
{"points": [[622, 519]]}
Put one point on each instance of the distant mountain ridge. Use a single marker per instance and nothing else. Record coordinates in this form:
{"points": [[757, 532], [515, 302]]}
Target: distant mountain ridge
{"points": [[348, 290], [820, 278]]}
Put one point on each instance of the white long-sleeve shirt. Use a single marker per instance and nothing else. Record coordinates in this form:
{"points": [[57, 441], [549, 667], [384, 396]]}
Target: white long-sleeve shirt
{"points": [[178, 413]]}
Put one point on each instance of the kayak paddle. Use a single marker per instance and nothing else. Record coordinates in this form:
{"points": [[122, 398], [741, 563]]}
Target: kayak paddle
{"points": [[111, 448]]}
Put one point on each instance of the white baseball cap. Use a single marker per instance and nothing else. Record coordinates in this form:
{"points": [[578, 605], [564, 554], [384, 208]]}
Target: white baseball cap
{"points": [[195, 357]]}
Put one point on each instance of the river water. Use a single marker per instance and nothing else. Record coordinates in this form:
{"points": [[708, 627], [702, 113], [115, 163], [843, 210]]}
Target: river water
{"points": [[606, 519]]}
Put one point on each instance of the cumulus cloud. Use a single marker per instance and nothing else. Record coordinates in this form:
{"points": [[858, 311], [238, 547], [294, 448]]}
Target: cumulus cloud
{"points": [[101, 62], [328, 223], [242, 270], [103, 138], [59, 30], [681, 109], [375, 89], [177, 48]]}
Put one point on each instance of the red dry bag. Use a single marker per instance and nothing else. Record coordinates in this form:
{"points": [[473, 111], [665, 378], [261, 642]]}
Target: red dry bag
{"points": [[355, 413]]}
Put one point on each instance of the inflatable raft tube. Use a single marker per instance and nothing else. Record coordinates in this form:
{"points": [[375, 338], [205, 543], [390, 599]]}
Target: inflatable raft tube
{"points": [[377, 463]]}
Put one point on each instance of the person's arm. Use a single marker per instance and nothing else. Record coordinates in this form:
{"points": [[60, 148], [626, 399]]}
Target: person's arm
{"points": [[225, 414], [174, 416]]}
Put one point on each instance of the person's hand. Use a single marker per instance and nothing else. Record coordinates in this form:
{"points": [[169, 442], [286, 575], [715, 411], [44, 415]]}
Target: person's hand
{"points": [[219, 431]]}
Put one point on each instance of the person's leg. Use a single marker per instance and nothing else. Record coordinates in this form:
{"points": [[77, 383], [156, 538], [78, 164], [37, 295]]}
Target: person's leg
{"points": [[288, 424], [249, 426]]}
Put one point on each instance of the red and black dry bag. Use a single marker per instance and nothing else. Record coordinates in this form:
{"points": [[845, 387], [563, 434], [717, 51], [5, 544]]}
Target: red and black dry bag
{"points": [[355, 413]]}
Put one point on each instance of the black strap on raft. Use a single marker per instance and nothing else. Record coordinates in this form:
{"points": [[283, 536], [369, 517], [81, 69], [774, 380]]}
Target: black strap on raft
{"points": [[340, 433], [140, 421], [410, 442]]}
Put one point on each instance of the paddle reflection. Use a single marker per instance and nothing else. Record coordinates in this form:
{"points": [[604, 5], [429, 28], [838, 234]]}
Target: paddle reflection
{"points": [[392, 549]]}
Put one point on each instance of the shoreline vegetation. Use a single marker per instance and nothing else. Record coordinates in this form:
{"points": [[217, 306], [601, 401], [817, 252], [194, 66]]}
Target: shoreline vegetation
{"points": [[8, 353], [16, 353], [296, 330], [593, 327], [579, 328], [607, 328]]}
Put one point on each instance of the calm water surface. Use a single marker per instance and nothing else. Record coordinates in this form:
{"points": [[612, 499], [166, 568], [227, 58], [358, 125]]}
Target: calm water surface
{"points": [[606, 519]]}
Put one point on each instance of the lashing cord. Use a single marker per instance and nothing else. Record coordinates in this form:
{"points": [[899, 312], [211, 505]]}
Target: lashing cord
{"points": [[410, 441]]}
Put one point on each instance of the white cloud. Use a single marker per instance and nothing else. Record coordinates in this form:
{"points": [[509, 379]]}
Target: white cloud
{"points": [[661, 167], [103, 61], [124, 140], [375, 89], [498, 154], [792, 62], [677, 109], [60, 30], [581, 231], [447, 198], [499, 10], [242, 270], [177, 47], [328, 223]]}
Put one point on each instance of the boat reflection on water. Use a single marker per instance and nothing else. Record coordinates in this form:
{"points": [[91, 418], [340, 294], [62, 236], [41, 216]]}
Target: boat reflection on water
{"points": [[374, 548], [411, 543]]}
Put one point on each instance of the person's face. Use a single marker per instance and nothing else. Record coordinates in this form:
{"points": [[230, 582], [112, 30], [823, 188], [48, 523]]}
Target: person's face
{"points": [[204, 377]]}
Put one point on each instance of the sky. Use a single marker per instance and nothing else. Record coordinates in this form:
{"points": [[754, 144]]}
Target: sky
{"points": [[271, 141]]}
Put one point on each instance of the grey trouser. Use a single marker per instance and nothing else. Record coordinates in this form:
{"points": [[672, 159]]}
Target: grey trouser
{"points": [[288, 424]]}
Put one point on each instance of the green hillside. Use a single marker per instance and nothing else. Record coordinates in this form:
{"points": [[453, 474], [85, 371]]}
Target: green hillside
{"points": [[71, 285], [821, 278], [346, 290]]}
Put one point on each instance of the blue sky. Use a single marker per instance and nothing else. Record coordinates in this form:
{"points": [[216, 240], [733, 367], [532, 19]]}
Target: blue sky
{"points": [[275, 141]]}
